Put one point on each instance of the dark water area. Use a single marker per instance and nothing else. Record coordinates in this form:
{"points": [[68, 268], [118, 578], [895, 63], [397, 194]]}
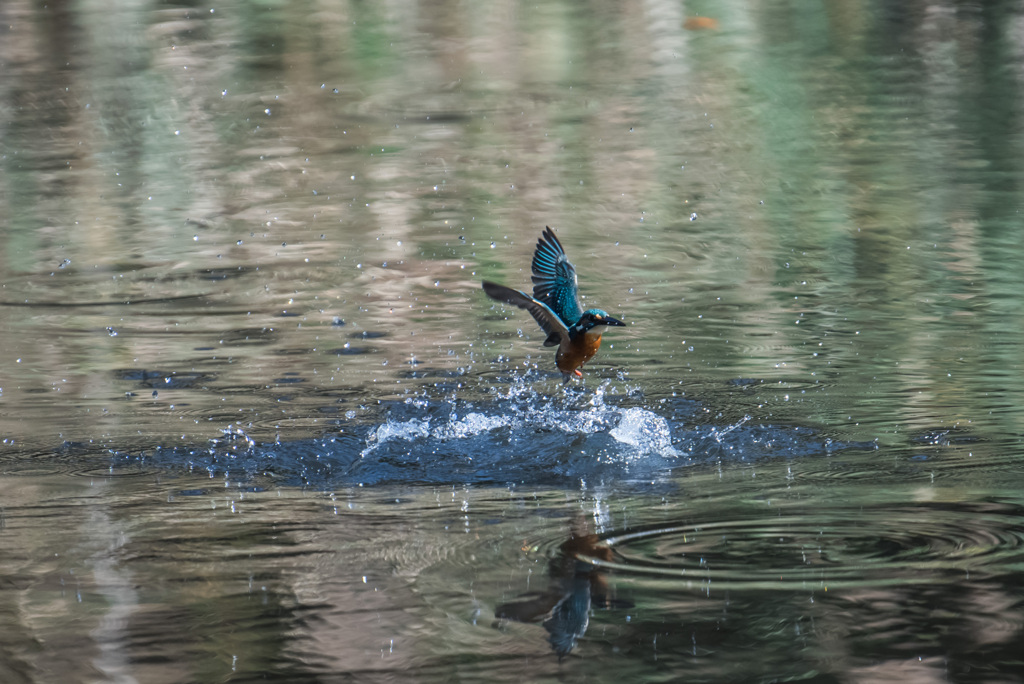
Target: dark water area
{"points": [[259, 421]]}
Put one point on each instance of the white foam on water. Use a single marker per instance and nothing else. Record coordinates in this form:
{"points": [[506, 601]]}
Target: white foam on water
{"points": [[469, 425], [525, 411], [647, 432], [408, 430]]}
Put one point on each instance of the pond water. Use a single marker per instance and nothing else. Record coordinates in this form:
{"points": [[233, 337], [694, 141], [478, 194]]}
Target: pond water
{"points": [[260, 422]]}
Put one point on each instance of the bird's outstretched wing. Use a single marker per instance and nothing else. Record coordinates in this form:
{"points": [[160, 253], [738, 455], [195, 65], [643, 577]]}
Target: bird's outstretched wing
{"points": [[554, 279], [541, 312]]}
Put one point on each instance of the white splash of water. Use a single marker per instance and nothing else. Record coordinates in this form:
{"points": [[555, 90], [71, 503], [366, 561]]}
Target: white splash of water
{"points": [[645, 432], [408, 430], [648, 432], [469, 425]]}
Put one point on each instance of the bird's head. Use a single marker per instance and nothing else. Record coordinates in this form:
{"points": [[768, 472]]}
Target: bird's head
{"points": [[592, 318]]}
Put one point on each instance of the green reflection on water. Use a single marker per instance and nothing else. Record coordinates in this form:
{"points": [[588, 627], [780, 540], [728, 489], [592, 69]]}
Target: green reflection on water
{"points": [[852, 174]]}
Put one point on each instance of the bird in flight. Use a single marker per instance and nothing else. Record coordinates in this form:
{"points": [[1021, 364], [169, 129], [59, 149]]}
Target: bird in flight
{"points": [[555, 305]]}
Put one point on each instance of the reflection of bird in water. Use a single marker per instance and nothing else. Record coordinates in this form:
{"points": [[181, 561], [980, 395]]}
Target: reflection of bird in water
{"points": [[569, 619], [555, 305], [576, 584]]}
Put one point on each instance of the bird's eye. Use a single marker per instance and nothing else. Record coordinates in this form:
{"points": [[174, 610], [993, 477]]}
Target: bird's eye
{"points": [[599, 317]]}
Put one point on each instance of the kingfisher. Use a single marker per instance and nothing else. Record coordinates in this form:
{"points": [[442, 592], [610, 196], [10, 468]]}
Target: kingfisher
{"points": [[555, 305]]}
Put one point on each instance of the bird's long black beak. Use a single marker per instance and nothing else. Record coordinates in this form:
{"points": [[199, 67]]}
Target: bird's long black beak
{"points": [[608, 320]]}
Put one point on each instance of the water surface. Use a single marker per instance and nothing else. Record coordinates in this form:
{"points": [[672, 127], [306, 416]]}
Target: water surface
{"points": [[259, 421]]}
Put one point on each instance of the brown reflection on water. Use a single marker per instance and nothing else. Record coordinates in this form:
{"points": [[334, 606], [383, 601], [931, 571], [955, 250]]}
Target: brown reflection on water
{"points": [[157, 583], [157, 578]]}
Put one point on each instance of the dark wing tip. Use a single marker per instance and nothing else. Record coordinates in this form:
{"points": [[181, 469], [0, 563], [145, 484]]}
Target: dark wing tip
{"points": [[548, 238], [542, 313], [500, 292]]}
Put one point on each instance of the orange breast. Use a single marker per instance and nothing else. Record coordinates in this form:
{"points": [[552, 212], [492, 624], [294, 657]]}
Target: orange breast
{"points": [[579, 351]]}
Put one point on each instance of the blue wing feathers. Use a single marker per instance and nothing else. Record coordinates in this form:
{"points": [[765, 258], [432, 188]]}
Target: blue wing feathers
{"points": [[554, 279]]}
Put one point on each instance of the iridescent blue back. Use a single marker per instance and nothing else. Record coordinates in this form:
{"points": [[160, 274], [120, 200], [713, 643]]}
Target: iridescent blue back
{"points": [[554, 279]]}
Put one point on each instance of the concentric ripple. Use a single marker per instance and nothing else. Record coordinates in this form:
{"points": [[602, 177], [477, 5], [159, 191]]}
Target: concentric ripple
{"points": [[829, 549]]}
